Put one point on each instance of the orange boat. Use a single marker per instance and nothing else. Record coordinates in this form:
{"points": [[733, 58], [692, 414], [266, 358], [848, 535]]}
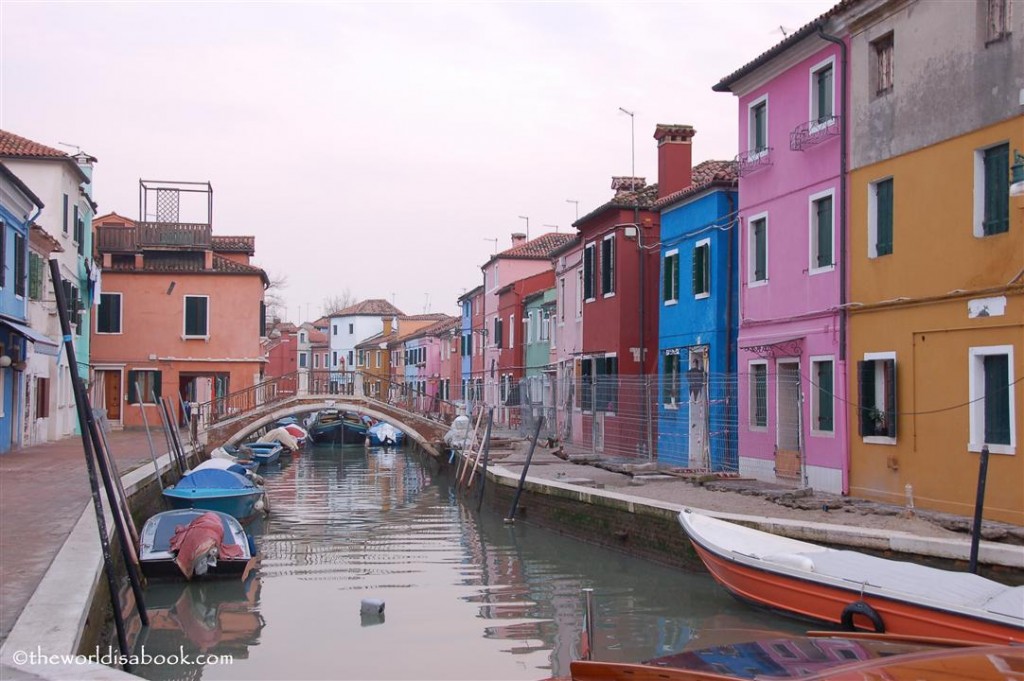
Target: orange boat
{"points": [[853, 589], [822, 657]]}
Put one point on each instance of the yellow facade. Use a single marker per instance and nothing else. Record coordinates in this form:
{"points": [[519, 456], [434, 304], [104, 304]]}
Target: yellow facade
{"points": [[942, 299]]}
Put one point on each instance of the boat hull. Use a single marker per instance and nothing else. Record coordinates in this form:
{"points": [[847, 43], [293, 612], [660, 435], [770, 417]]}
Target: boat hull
{"points": [[806, 598], [240, 505]]}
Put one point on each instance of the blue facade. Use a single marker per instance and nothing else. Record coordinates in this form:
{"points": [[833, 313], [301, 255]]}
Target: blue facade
{"points": [[18, 208], [698, 313], [466, 346]]}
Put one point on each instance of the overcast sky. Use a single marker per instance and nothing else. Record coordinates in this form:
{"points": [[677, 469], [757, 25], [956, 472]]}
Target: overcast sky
{"points": [[378, 148]]}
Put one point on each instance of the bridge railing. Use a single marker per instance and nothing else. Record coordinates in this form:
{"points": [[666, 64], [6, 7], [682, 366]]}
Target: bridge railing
{"points": [[410, 396]]}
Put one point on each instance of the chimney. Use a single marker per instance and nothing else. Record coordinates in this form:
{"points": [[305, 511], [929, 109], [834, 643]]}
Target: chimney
{"points": [[626, 185], [675, 157], [518, 239], [387, 322]]}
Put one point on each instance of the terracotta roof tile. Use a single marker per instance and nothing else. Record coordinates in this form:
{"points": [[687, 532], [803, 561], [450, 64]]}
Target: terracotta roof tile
{"points": [[705, 175], [234, 244], [536, 249], [374, 307], [188, 262], [317, 336], [20, 147], [643, 199], [426, 316]]}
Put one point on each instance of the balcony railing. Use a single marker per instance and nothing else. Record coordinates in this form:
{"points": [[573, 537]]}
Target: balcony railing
{"points": [[814, 132], [153, 235], [753, 160]]}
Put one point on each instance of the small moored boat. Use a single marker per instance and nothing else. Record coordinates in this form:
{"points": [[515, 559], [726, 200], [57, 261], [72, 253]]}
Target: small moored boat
{"points": [[216, 490], [194, 542], [854, 589], [264, 453], [383, 434]]}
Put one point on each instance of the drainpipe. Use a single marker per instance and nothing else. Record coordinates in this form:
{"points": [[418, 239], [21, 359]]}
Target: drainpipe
{"points": [[843, 145], [729, 351]]}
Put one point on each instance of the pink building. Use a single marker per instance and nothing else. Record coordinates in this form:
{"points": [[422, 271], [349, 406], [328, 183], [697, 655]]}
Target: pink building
{"points": [[791, 360], [525, 258], [567, 335]]}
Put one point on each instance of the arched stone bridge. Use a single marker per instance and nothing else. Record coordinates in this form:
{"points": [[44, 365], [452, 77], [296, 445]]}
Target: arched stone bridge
{"points": [[426, 432]]}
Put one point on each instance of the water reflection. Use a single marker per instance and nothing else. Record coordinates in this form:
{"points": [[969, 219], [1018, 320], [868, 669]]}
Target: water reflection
{"points": [[467, 597]]}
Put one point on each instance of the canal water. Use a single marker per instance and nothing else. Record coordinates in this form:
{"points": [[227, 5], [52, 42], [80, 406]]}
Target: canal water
{"points": [[465, 596]]}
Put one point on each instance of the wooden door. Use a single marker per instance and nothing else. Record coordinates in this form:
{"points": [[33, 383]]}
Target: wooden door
{"points": [[112, 395]]}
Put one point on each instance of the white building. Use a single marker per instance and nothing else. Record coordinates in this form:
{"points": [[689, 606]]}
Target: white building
{"points": [[354, 324]]}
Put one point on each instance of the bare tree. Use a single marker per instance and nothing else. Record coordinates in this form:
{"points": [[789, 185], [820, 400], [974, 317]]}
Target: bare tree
{"points": [[273, 296], [339, 301]]}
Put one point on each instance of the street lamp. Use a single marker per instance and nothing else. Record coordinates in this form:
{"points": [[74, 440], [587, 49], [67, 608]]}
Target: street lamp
{"points": [[523, 217]]}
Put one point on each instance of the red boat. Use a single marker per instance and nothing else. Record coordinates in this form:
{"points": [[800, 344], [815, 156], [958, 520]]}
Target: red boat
{"points": [[853, 589]]}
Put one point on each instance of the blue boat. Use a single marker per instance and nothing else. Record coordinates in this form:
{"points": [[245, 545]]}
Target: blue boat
{"points": [[383, 434], [264, 453], [216, 490]]}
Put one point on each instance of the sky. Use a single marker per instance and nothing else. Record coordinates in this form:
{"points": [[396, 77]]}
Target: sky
{"points": [[379, 150]]}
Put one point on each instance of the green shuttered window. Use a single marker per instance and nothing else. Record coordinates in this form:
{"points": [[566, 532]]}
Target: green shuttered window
{"points": [[997, 399], [671, 277], [196, 316], [997, 189], [145, 382], [883, 217], [108, 315], [702, 269], [823, 233]]}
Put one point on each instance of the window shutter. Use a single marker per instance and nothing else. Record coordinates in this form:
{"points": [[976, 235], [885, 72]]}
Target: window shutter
{"points": [[825, 402], [865, 396], [588, 272], [997, 188], [884, 217], [760, 253], [666, 276], [824, 217], [997, 399], [889, 372], [35, 276], [263, 319], [157, 384], [608, 266], [133, 394]]}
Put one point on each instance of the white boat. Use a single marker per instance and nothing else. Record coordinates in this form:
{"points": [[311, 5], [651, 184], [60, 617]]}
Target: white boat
{"points": [[854, 589]]}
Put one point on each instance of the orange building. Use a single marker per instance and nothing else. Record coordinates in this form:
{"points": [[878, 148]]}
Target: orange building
{"points": [[180, 313]]}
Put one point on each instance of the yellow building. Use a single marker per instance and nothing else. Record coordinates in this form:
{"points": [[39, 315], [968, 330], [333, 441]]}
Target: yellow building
{"points": [[935, 246]]}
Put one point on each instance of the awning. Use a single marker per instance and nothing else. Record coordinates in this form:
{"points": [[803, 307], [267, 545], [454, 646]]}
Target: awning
{"points": [[44, 344]]}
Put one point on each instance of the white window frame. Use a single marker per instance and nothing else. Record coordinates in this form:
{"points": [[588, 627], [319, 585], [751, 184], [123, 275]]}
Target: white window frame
{"points": [[184, 316], [120, 314], [815, 406], [880, 388], [752, 396], [561, 300], [812, 232], [707, 272], [674, 300], [511, 331], [979, 189], [873, 214], [976, 373], [813, 94], [751, 136], [751, 282], [594, 273]]}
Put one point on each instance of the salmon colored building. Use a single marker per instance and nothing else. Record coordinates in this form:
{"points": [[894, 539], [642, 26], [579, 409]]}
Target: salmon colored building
{"points": [[937, 262], [180, 313]]}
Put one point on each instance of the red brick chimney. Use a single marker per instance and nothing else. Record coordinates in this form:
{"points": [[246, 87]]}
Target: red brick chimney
{"points": [[675, 157], [518, 239]]}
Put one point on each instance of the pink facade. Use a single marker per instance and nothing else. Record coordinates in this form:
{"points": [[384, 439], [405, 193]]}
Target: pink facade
{"points": [[792, 425], [525, 258], [567, 336]]}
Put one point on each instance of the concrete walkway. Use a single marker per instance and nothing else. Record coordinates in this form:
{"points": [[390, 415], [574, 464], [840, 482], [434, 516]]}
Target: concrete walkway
{"points": [[43, 492]]}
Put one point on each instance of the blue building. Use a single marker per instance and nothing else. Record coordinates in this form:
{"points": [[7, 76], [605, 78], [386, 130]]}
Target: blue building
{"points": [[697, 325], [19, 207]]}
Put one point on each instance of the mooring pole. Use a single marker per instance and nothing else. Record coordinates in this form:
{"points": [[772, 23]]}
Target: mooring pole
{"points": [[487, 450], [979, 506], [526, 467], [149, 438], [92, 461], [587, 646]]}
